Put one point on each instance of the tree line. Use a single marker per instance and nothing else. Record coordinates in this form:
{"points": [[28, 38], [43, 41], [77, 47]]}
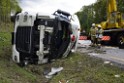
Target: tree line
{"points": [[96, 13], [6, 6]]}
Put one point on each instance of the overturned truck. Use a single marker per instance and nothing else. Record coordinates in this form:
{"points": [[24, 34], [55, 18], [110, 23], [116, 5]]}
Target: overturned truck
{"points": [[41, 38]]}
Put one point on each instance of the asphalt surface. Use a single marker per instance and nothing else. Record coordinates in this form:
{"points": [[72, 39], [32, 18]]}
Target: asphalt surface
{"points": [[107, 53]]}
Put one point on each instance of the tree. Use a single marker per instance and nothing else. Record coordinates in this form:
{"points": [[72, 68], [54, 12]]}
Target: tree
{"points": [[5, 8], [86, 17], [120, 5], [94, 13], [100, 10]]}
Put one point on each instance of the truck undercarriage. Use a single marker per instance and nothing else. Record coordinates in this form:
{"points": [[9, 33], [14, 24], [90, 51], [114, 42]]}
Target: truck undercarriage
{"points": [[47, 38]]}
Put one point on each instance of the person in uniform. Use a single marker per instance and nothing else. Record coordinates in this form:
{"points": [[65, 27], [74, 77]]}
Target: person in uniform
{"points": [[99, 35], [93, 34]]}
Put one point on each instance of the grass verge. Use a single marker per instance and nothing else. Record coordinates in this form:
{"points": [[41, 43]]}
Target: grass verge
{"points": [[81, 68]]}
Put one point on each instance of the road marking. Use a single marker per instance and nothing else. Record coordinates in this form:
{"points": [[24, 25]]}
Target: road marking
{"points": [[109, 57], [116, 58]]}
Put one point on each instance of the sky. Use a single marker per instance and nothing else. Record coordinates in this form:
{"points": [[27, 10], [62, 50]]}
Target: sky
{"points": [[49, 6]]}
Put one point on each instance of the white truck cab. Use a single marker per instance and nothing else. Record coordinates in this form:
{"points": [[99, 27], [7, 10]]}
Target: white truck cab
{"points": [[40, 38]]}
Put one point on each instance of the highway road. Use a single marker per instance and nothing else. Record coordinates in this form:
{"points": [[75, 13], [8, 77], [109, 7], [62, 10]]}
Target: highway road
{"points": [[107, 53]]}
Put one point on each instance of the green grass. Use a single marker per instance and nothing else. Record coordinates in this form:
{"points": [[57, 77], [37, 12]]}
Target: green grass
{"points": [[78, 68], [5, 44], [9, 71]]}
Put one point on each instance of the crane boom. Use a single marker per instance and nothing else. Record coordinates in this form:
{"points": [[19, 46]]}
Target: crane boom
{"points": [[112, 13], [112, 6]]}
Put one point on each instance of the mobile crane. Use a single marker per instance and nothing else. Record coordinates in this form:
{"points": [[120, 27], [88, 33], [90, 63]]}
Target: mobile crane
{"points": [[114, 25]]}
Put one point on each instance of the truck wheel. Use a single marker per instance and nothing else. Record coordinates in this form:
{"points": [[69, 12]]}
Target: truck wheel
{"points": [[121, 41]]}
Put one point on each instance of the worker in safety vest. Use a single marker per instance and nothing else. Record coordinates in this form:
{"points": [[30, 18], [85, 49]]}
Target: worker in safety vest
{"points": [[93, 34], [99, 35]]}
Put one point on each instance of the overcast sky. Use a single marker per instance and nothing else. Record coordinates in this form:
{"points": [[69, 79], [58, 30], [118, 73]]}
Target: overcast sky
{"points": [[49, 6]]}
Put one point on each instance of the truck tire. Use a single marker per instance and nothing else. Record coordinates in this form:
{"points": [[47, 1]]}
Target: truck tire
{"points": [[121, 40]]}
